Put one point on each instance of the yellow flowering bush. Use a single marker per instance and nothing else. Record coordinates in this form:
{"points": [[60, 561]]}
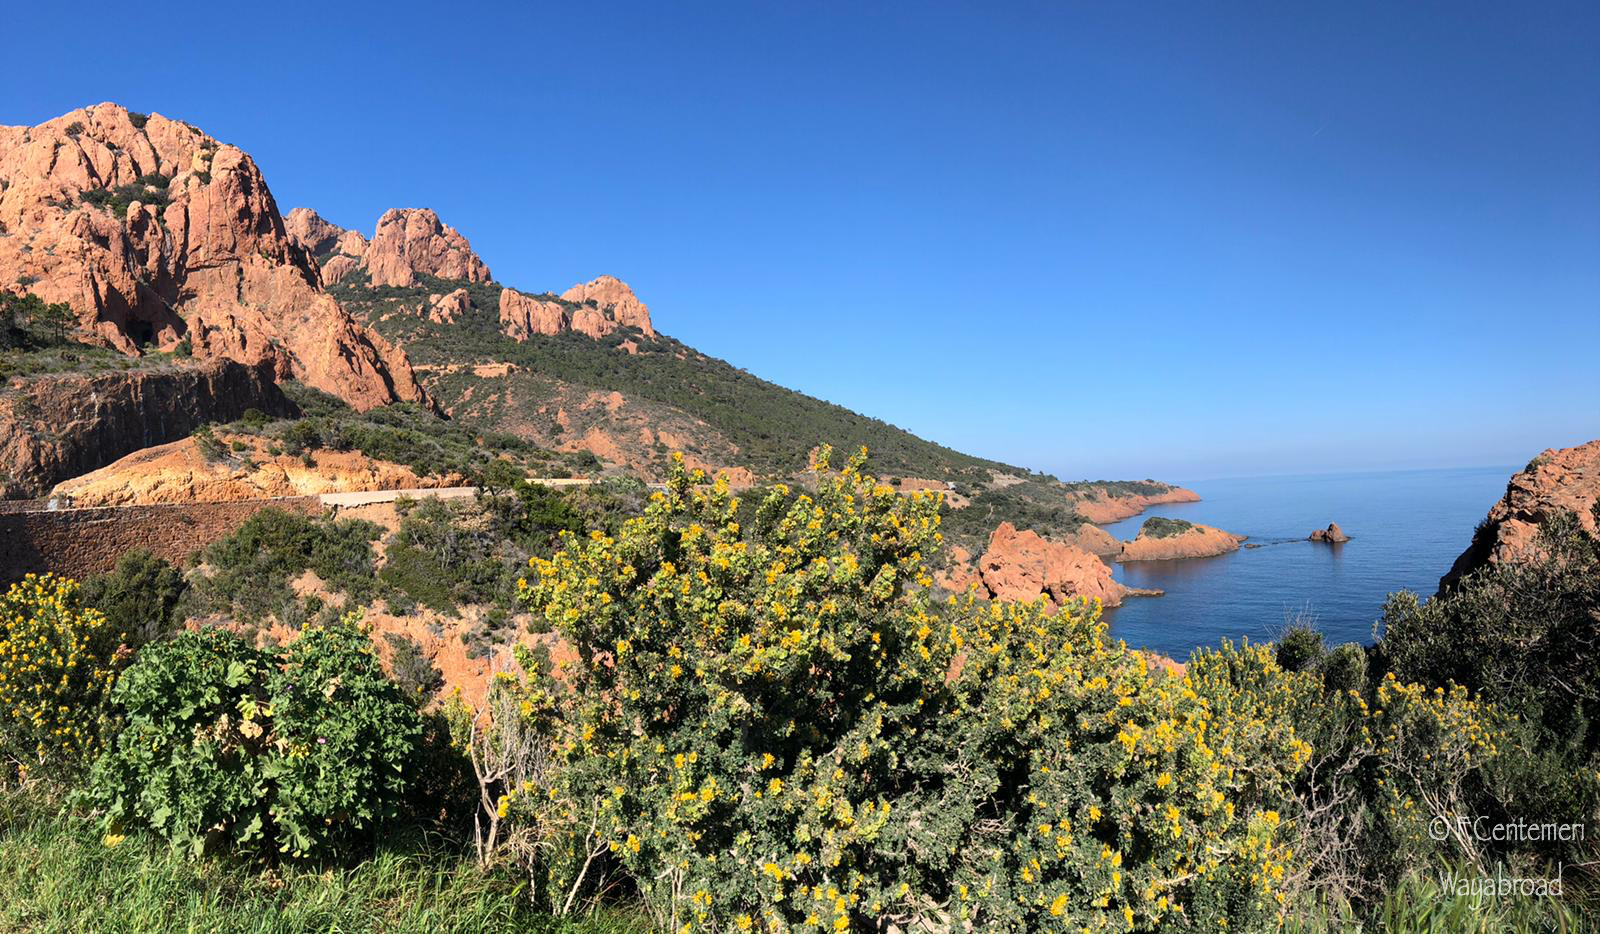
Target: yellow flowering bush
{"points": [[58, 662], [1382, 762], [772, 726]]}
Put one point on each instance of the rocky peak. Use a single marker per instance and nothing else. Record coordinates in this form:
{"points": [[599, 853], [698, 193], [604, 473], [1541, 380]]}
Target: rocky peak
{"points": [[615, 303], [413, 242], [308, 228], [156, 232], [340, 251]]}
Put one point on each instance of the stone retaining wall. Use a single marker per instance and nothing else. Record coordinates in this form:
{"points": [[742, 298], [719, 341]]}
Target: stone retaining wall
{"points": [[79, 542]]}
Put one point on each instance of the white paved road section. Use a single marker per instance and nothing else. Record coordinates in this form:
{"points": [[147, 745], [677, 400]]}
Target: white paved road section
{"points": [[368, 497]]}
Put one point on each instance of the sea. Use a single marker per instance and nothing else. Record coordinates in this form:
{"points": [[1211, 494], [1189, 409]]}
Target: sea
{"points": [[1406, 528]]}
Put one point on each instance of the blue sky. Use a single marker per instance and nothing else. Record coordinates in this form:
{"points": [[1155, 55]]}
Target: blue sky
{"points": [[1176, 240]]}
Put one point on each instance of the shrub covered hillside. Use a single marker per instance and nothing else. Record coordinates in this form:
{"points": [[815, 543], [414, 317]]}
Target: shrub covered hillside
{"points": [[712, 411], [760, 718]]}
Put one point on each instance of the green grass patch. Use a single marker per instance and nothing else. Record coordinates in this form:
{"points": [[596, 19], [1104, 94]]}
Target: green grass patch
{"points": [[58, 876]]}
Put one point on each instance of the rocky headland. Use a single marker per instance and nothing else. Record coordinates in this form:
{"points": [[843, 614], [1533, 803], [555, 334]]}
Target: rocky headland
{"points": [[1162, 539], [1103, 507], [1558, 480]]}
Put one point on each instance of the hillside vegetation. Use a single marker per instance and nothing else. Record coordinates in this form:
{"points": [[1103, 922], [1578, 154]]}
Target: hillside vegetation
{"points": [[726, 416], [723, 715]]}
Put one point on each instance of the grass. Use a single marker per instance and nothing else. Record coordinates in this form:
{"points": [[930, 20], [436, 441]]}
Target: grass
{"points": [[58, 876], [1419, 905]]}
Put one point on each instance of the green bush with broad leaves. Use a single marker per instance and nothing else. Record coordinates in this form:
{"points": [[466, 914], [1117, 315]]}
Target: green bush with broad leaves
{"points": [[344, 736], [187, 762], [305, 751]]}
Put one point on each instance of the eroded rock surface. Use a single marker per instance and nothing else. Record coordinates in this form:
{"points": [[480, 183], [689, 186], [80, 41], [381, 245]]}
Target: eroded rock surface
{"points": [[1021, 565], [156, 233], [413, 241]]}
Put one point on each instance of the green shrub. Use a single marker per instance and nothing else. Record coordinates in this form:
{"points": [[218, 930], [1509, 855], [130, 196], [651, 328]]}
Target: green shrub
{"points": [[205, 441], [348, 734], [1345, 668], [418, 678], [251, 569], [226, 745], [58, 662], [1163, 527], [1300, 648], [139, 596], [414, 575], [187, 763]]}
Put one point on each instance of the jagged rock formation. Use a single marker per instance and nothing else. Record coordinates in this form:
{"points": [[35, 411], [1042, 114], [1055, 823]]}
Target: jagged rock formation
{"points": [[522, 316], [594, 308], [56, 427], [448, 308], [1564, 480], [413, 242], [156, 233], [607, 302], [310, 230], [1332, 535], [1022, 566]]}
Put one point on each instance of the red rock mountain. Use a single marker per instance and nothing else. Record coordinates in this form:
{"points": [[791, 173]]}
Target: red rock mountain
{"points": [[155, 232], [1564, 480]]}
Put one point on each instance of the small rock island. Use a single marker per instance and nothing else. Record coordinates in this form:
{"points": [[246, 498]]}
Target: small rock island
{"points": [[1333, 535], [1162, 539]]}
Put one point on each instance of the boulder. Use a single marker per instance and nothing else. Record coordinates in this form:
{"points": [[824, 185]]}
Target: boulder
{"points": [[448, 308], [336, 268], [1333, 535]]}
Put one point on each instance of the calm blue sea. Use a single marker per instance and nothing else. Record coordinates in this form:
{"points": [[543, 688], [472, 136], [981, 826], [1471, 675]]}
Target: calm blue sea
{"points": [[1406, 528]]}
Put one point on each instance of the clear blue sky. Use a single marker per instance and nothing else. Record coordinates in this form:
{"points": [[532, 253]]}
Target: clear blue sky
{"points": [[1101, 239]]}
